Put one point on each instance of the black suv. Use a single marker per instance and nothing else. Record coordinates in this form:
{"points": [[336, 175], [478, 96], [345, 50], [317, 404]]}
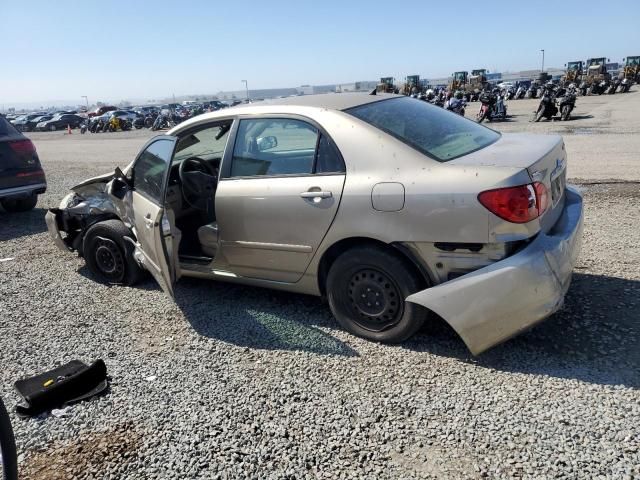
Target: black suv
{"points": [[21, 176]]}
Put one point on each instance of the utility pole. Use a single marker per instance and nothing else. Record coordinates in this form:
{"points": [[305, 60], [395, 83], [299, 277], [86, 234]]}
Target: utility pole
{"points": [[542, 69], [246, 86]]}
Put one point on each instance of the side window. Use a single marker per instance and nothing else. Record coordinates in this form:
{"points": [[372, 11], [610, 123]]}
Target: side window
{"points": [[149, 169], [274, 146], [328, 160]]}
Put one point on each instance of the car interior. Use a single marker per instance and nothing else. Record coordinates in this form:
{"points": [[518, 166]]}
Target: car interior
{"points": [[191, 190]]}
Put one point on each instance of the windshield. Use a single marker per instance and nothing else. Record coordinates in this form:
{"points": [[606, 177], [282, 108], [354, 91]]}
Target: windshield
{"points": [[207, 144], [431, 130]]}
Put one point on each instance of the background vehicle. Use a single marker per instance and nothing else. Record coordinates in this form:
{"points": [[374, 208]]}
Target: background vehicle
{"points": [[597, 77], [387, 85], [631, 70], [573, 73], [126, 114], [8, 454], [21, 176], [20, 122], [31, 124], [101, 110], [411, 85], [60, 122]]}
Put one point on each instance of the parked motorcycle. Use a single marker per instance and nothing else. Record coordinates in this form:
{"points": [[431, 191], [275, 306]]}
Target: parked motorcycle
{"points": [[532, 91], [520, 93], [487, 102], [613, 86], [625, 85], [566, 100], [509, 94], [456, 105], [163, 121], [547, 107], [118, 123], [582, 88]]}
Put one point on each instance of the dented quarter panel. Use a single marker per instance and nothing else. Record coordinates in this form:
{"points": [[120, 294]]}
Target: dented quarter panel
{"points": [[494, 303]]}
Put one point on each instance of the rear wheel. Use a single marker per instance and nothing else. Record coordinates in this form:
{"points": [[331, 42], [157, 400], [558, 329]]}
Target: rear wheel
{"points": [[108, 255], [366, 288], [52, 128], [19, 204]]}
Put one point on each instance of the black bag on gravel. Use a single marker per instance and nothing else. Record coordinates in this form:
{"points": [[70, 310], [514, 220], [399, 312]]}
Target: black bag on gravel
{"points": [[62, 386]]}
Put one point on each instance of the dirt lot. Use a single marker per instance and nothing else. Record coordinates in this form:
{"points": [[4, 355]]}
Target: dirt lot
{"points": [[234, 382]]}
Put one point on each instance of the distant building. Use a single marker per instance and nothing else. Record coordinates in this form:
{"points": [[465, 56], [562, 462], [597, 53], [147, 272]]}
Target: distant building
{"points": [[364, 86]]}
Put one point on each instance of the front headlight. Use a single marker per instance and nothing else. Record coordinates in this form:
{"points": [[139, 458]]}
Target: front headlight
{"points": [[70, 200]]}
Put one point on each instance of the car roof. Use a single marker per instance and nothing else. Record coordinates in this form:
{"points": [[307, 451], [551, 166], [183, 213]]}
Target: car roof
{"points": [[331, 101], [328, 101]]}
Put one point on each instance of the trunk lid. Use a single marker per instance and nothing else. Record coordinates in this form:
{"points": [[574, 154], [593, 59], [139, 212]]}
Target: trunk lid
{"points": [[542, 156]]}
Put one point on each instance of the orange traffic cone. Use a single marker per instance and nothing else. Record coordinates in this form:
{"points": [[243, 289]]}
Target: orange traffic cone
{"points": [[68, 129]]}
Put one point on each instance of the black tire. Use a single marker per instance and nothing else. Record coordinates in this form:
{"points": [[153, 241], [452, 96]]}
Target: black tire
{"points": [[14, 205], [386, 279], [9, 468], [539, 114], [565, 113], [108, 255], [52, 128]]}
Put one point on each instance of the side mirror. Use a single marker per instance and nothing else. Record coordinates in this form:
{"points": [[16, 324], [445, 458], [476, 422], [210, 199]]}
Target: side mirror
{"points": [[120, 184], [267, 143]]}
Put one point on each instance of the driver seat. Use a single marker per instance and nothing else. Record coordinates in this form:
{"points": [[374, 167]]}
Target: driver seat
{"points": [[208, 237]]}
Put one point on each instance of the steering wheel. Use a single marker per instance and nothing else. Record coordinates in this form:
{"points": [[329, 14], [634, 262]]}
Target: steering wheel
{"points": [[199, 181]]}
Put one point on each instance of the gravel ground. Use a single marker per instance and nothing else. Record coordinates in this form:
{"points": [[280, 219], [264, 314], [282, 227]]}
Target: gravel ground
{"points": [[237, 382]]}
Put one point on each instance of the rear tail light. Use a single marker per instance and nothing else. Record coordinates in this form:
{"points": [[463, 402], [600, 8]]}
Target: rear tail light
{"points": [[519, 204], [23, 147]]}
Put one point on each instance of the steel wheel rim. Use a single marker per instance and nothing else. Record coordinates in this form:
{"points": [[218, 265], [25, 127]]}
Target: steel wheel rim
{"points": [[375, 300], [109, 259]]}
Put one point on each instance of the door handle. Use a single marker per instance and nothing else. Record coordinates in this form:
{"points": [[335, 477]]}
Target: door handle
{"points": [[148, 222], [313, 194]]}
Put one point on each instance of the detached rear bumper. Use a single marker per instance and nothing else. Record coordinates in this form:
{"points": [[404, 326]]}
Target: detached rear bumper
{"points": [[492, 304]]}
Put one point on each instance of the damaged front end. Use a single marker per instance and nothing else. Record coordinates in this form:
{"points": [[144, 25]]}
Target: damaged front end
{"points": [[89, 202]]}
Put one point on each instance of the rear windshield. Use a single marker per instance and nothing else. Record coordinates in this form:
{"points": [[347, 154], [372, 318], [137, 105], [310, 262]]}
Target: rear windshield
{"points": [[6, 129], [437, 133]]}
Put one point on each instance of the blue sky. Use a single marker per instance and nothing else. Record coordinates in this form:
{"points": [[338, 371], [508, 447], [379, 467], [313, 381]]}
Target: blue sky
{"points": [[112, 50]]}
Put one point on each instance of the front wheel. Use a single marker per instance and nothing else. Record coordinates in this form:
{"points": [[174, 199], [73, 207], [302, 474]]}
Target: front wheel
{"points": [[52, 128], [108, 255], [565, 113], [8, 454], [366, 288], [14, 205]]}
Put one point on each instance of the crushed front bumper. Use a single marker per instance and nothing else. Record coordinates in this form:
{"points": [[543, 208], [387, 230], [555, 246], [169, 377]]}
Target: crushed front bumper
{"points": [[496, 302], [51, 218]]}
